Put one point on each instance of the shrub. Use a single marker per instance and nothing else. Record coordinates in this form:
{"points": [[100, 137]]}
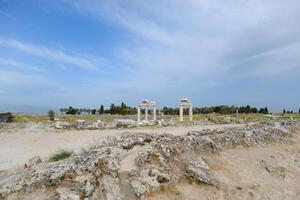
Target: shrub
{"points": [[51, 115], [61, 155]]}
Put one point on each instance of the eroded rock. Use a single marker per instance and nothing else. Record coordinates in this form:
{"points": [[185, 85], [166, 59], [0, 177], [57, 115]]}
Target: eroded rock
{"points": [[160, 162]]}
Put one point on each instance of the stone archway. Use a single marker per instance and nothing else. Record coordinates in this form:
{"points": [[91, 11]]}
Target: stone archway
{"points": [[184, 102], [145, 104]]}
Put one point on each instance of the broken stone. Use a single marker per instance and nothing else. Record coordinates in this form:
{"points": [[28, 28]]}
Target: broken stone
{"points": [[111, 187], [62, 125], [198, 170], [67, 194], [98, 125], [80, 123]]}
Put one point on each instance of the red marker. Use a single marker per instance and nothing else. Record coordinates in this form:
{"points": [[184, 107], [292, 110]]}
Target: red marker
{"points": [[25, 166]]}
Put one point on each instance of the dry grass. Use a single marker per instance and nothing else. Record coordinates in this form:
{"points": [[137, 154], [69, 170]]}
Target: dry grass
{"points": [[253, 117], [69, 118], [30, 118], [199, 118], [292, 115], [216, 118], [88, 118]]}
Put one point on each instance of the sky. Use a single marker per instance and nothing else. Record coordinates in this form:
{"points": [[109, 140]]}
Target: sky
{"points": [[84, 53]]}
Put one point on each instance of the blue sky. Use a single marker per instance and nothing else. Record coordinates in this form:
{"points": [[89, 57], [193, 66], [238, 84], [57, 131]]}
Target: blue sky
{"points": [[57, 53]]}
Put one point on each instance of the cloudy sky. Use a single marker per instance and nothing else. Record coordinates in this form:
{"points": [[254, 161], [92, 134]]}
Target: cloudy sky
{"points": [[85, 53]]}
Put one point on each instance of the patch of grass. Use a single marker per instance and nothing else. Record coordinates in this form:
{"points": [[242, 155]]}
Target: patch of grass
{"points": [[61, 155], [292, 115], [215, 118], [253, 117], [199, 118], [163, 188]]}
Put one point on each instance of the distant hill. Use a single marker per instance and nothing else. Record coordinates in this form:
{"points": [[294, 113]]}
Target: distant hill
{"points": [[27, 109]]}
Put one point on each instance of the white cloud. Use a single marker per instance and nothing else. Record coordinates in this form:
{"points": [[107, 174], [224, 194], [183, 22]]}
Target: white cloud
{"points": [[49, 54], [199, 40], [17, 64]]}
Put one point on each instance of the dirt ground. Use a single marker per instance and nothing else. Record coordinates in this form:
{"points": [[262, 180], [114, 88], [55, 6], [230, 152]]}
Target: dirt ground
{"points": [[19, 145]]}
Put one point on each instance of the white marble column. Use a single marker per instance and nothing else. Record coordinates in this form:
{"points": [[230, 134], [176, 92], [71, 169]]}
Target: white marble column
{"points": [[154, 113], [191, 112], [181, 113], [146, 113], [139, 113]]}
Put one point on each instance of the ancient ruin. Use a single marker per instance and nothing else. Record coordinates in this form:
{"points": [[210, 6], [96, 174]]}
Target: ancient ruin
{"points": [[145, 104], [185, 102], [136, 166]]}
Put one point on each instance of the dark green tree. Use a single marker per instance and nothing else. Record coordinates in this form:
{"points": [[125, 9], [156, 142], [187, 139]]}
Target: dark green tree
{"points": [[113, 109], [253, 110], [101, 110], [266, 111], [51, 115], [71, 111]]}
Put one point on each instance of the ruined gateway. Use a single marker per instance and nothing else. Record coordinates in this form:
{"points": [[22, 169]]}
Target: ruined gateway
{"points": [[161, 166], [146, 104]]}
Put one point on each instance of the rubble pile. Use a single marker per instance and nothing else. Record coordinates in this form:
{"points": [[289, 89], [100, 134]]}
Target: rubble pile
{"points": [[161, 161]]}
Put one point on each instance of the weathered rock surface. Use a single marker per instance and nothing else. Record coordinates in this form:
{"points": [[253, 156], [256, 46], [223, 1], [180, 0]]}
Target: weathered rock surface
{"points": [[98, 125], [124, 122], [161, 162], [80, 123], [62, 125], [199, 170]]}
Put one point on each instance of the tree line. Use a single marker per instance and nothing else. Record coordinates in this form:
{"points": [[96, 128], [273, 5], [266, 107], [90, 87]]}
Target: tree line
{"points": [[289, 111], [222, 109], [124, 109]]}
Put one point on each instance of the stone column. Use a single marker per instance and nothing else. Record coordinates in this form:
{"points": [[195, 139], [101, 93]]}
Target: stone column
{"points": [[146, 113], [181, 113], [154, 113], [139, 113], [191, 112]]}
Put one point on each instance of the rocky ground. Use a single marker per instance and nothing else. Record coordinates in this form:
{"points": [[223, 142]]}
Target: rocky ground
{"points": [[261, 161], [21, 141]]}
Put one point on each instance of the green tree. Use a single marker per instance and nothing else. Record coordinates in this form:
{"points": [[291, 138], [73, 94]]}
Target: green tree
{"points": [[51, 115], [266, 110], [101, 110], [261, 110], [253, 110], [71, 111], [113, 109]]}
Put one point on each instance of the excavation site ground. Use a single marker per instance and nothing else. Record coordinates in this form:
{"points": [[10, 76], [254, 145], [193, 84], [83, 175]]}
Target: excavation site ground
{"points": [[118, 157]]}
